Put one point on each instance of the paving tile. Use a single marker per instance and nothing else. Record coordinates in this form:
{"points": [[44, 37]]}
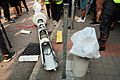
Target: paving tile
{"points": [[116, 77], [116, 60], [109, 77], [98, 77], [88, 76], [69, 73], [105, 53], [21, 71], [97, 69], [49, 75], [109, 67], [94, 62], [69, 65], [71, 78], [104, 61], [118, 68], [97, 60], [42, 77], [110, 60], [118, 52], [111, 72], [58, 76]]}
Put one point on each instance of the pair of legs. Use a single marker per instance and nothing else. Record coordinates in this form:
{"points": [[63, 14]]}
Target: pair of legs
{"points": [[16, 5], [56, 11], [17, 11], [7, 54], [83, 4], [48, 10], [25, 5], [4, 4], [3, 44], [99, 8], [110, 13]]}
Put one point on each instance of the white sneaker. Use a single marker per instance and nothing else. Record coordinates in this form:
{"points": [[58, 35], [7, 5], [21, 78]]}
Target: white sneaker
{"points": [[76, 18], [81, 20]]}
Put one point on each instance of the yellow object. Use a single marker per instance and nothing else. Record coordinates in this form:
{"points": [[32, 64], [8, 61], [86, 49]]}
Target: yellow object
{"points": [[116, 1], [59, 37], [56, 1]]}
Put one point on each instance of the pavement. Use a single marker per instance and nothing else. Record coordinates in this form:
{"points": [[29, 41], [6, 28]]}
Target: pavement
{"points": [[104, 68]]}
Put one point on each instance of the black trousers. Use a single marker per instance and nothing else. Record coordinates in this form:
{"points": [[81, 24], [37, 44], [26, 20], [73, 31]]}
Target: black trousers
{"points": [[4, 4], [56, 11], [48, 9], [17, 9], [25, 5], [3, 46], [110, 13]]}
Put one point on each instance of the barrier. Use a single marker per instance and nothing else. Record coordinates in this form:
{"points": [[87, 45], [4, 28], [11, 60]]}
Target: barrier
{"points": [[80, 66]]}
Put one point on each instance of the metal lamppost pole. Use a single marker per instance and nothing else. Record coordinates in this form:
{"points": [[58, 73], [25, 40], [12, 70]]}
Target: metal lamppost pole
{"points": [[65, 30], [72, 14], [5, 34]]}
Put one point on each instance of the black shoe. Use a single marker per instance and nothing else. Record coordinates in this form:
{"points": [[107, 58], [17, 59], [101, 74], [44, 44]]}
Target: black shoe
{"points": [[101, 45], [95, 23], [11, 20], [102, 48], [69, 27]]}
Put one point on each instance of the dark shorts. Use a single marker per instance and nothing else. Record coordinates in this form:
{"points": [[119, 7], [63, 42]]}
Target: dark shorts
{"points": [[83, 4]]}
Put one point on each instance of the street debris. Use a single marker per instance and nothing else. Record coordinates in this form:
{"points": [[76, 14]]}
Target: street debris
{"points": [[85, 43], [23, 32]]}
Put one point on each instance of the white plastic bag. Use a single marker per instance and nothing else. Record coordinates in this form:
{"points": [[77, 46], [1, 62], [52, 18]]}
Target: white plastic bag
{"points": [[37, 7], [85, 43]]}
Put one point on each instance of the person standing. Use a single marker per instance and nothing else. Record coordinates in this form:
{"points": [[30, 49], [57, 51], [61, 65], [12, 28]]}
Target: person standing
{"points": [[5, 5], [83, 4], [48, 7], [16, 5], [56, 7], [99, 9], [110, 13], [7, 54], [25, 5]]}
